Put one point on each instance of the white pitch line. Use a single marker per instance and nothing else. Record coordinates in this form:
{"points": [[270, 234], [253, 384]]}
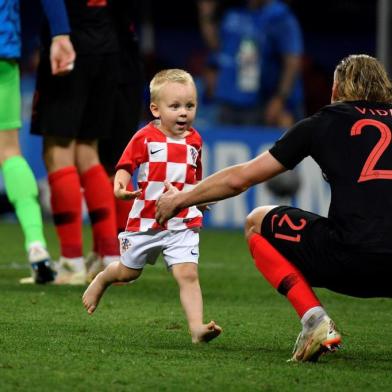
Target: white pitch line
{"points": [[14, 266]]}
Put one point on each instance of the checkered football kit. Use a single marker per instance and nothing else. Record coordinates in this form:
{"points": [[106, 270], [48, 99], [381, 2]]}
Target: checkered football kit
{"points": [[161, 158]]}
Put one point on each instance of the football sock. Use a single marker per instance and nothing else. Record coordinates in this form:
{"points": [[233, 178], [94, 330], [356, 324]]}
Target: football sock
{"points": [[98, 194], [22, 191], [66, 202], [106, 260], [282, 275]]}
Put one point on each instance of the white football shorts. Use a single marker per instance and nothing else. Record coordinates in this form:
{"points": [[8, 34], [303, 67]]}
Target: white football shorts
{"points": [[143, 247]]}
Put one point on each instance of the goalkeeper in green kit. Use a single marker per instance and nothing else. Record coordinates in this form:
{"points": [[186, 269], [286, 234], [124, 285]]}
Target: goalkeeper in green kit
{"points": [[19, 182]]}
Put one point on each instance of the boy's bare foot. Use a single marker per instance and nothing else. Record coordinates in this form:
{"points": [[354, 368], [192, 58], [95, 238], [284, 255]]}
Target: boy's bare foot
{"points": [[93, 294], [206, 333]]}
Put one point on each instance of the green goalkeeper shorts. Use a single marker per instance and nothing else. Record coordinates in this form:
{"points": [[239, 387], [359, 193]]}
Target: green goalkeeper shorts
{"points": [[9, 95]]}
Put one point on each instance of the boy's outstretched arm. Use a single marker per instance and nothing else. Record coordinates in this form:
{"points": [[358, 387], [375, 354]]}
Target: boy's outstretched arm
{"points": [[121, 181]]}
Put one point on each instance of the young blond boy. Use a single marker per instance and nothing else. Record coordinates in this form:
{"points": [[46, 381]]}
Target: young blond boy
{"points": [[166, 150]]}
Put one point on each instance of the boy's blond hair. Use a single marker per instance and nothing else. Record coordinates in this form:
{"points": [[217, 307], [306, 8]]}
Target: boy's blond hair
{"points": [[362, 78], [168, 75]]}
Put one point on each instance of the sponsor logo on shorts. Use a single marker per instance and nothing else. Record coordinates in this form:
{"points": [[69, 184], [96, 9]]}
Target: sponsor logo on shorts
{"points": [[194, 253], [125, 245]]}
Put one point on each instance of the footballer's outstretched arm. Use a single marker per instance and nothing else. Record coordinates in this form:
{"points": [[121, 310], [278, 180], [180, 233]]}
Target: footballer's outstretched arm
{"points": [[223, 184]]}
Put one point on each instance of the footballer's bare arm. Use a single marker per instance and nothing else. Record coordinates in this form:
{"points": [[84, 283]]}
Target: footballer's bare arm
{"points": [[223, 184]]}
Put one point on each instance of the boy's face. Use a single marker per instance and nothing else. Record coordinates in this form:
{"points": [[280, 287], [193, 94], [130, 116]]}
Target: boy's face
{"points": [[176, 108]]}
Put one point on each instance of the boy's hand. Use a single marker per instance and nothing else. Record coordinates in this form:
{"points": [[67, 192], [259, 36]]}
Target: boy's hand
{"points": [[121, 192]]}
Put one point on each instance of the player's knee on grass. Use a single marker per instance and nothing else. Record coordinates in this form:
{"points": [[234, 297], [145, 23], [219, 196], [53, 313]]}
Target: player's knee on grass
{"points": [[254, 220]]}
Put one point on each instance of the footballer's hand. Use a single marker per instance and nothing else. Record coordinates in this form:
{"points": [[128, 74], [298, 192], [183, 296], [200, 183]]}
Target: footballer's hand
{"points": [[121, 192], [166, 204], [62, 55]]}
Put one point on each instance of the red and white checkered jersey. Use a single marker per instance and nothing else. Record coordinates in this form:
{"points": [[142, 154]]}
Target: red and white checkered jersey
{"points": [[162, 158]]}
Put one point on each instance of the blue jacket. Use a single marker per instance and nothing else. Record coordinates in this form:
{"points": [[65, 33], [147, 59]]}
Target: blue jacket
{"points": [[9, 29], [10, 41], [271, 32]]}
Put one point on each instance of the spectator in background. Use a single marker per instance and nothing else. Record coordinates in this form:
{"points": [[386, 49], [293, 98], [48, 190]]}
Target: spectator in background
{"points": [[72, 114], [257, 49], [205, 85], [19, 181]]}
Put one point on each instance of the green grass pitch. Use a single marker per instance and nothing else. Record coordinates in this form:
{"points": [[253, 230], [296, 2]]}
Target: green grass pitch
{"points": [[138, 341]]}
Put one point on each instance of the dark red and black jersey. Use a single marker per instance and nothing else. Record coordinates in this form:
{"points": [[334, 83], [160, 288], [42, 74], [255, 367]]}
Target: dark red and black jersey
{"points": [[92, 26], [125, 14], [351, 142]]}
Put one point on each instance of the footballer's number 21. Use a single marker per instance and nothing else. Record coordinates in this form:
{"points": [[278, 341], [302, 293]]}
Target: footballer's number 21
{"points": [[286, 220], [368, 171]]}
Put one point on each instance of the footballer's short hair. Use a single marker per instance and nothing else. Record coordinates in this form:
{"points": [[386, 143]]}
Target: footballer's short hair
{"points": [[361, 77], [168, 75]]}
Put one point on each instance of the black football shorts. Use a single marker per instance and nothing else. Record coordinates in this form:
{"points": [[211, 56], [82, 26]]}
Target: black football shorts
{"points": [[127, 113], [79, 105], [309, 242]]}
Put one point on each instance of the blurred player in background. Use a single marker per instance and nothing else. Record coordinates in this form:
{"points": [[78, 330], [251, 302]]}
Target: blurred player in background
{"points": [[167, 149], [19, 181], [127, 112], [72, 114], [350, 251], [129, 97]]}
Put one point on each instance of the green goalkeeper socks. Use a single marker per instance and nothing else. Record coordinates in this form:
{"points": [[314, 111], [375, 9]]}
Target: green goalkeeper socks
{"points": [[22, 191]]}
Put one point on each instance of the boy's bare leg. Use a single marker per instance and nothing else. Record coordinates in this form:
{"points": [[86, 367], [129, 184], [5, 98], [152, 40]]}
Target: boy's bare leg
{"points": [[113, 273], [186, 275]]}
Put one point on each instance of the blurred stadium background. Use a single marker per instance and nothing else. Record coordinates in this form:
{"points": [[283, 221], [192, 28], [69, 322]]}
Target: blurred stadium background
{"points": [[170, 37]]}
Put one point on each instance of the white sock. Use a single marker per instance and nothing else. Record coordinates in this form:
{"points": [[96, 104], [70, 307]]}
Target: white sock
{"points": [[106, 260], [37, 244], [76, 263], [312, 315]]}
